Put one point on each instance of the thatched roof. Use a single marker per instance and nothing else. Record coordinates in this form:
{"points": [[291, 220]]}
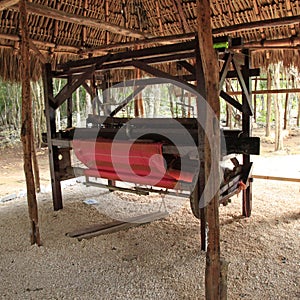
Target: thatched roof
{"points": [[71, 29]]}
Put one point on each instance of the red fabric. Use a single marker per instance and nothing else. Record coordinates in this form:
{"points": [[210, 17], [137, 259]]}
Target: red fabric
{"points": [[140, 163]]}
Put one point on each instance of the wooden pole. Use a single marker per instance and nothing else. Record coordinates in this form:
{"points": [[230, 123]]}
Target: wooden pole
{"points": [[211, 154], [27, 129], [269, 104]]}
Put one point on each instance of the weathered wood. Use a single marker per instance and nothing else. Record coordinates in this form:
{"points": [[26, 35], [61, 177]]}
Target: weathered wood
{"points": [[67, 91], [127, 100], [285, 122], [211, 152], [114, 226], [246, 127], [133, 54], [27, 128], [51, 131], [230, 100], [276, 178], [257, 25], [46, 11], [292, 42], [36, 170], [247, 102], [268, 91], [269, 103], [184, 24], [158, 73], [252, 73], [69, 104], [4, 4], [225, 69]]}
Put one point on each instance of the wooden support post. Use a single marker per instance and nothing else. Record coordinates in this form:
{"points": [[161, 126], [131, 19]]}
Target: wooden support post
{"points": [[211, 154], [201, 136], [246, 127], [286, 108], [51, 130], [27, 128], [69, 106], [269, 104]]}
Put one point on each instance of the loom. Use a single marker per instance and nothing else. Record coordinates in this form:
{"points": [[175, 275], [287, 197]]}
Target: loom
{"points": [[153, 162]]}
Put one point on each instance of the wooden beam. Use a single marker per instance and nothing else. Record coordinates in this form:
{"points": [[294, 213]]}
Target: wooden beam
{"points": [[231, 101], [34, 48], [144, 42], [190, 68], [46, 11], [292, 42], [58, 48], [211, 151], [158, 73], [127, 100], [70, 88], [27, 127], [276, 178], [257, 25], [4, 4], [134, 54], [245, 89], [263, 92], [225, 68], [246, 127]]}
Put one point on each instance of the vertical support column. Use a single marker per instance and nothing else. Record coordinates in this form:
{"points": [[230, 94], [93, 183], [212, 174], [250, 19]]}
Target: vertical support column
{"points": [[51, 131], [69, 106], [246, 127], [27, 128], [200, 144]]}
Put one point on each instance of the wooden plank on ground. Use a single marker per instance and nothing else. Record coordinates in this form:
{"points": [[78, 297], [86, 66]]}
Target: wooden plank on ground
{"points": [[115, 226], [276, 178]]}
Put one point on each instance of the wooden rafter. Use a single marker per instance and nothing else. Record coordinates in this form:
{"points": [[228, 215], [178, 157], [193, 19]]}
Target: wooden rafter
{"points": [[4, 4], [158, 73], [258, 25], [258, 16], [58, 48], [292, 42], [69, 88], [182, 17], [161, 30], [45, 11]]}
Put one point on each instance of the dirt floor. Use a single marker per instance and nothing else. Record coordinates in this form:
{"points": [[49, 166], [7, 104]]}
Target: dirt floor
{"points": [[161, 260]]}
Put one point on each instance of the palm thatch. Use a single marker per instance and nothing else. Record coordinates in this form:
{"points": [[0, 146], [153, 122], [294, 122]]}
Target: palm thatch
{"points": [[72, 29]]}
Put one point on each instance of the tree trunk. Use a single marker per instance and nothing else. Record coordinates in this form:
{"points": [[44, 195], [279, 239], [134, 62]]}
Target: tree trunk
{"points": [[286, 108], [26, 132], [89, 108], [298, 115], [211, 151], [269, 104], [255, 102], [36, 170], [278, 112], [78, 119]]}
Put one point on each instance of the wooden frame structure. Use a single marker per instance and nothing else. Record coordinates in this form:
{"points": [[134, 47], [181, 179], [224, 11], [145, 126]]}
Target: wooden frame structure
{"points": [[77, 73]]}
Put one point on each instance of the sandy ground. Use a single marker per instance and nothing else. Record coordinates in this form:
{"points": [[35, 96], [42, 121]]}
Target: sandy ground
{"points": [[161, 260]]}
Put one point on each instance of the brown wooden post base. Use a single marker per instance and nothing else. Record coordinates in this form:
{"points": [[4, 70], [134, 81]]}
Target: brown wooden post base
{"points": [[247, 200]]}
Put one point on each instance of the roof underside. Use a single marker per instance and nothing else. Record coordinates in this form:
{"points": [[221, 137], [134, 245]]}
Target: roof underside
{"points": [[72, 29]]}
